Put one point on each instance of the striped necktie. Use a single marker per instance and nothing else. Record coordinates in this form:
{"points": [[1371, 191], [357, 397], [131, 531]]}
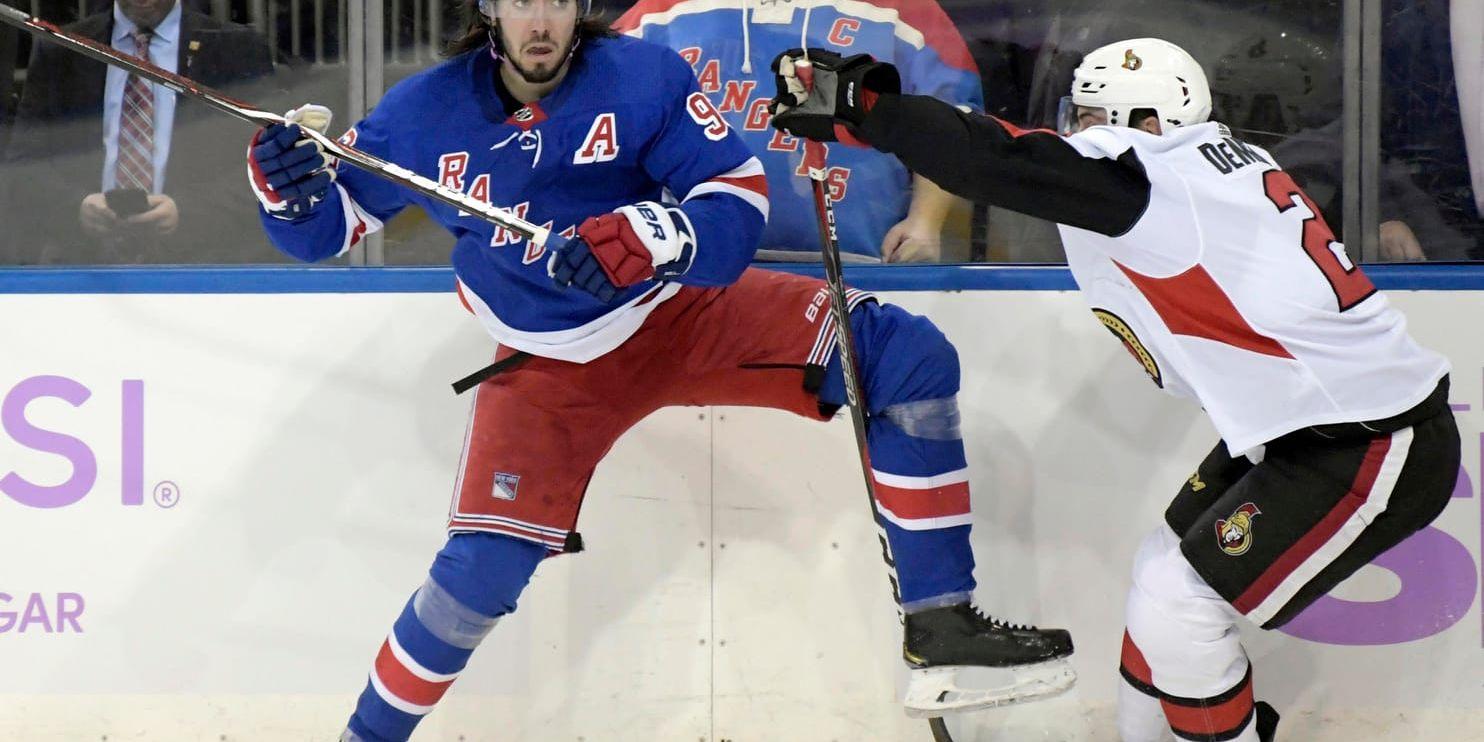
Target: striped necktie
{"points": [[136, 163]]}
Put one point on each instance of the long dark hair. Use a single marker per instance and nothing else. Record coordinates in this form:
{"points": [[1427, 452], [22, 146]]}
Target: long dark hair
{"points": [[477, 29]]}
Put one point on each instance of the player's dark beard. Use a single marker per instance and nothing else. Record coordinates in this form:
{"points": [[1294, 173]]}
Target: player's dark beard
{"points": [[536, 76]]}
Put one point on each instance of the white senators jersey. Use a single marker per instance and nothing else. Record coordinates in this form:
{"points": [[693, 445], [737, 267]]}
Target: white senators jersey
{"points": [[1231, 289]]}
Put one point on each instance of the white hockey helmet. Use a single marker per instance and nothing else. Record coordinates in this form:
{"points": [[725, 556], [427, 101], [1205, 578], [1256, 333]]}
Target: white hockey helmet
{"points": [[1140, 73]]}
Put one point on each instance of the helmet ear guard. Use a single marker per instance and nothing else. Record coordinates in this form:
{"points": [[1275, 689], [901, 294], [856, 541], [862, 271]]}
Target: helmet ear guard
{"points": [[1123, 77]]}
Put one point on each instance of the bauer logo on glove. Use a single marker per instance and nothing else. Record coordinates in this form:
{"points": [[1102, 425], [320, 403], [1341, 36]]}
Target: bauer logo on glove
{"points": [[633, 244]]}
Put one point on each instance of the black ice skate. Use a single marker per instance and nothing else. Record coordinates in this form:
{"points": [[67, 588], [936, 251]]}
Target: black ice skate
{"points": [[963, 660], [1267, 722]]}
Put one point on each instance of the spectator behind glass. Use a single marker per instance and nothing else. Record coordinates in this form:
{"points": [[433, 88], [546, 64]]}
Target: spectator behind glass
{"points": [[103, 168], [1467, 23], [1422, 125], [9, 38], [884, 212], [1284, 91], [1027, 50]]}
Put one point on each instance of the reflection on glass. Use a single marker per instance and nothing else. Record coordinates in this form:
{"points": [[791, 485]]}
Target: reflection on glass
{"points": [[1432, 147], [416, 32], [100, 167], [1275, 69]]}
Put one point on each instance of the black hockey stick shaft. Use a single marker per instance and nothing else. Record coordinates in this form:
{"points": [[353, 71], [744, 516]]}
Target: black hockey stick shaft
{"points": [[191, 89], [834, 276]]}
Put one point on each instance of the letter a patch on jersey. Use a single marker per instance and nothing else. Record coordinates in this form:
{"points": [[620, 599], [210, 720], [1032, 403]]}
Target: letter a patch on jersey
{"points": [[601, 144]]}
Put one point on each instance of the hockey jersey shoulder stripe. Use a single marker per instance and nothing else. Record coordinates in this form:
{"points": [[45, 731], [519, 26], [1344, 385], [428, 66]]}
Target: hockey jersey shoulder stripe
{"points": [[746, 181], [1193, 304]]}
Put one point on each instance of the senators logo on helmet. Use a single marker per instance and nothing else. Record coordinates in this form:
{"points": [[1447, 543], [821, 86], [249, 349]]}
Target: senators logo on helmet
{"points": [[1234, 533]]}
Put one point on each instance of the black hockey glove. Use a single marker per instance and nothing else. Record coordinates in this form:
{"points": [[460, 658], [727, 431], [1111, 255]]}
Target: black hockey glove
{"points": [[842, 93]]}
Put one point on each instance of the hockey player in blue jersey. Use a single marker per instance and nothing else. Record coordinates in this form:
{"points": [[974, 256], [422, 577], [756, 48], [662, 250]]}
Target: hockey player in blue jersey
{"points": [[883, 210], [652, 305]]}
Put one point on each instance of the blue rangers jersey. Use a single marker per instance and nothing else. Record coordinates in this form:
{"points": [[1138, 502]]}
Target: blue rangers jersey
{"points": [[627, 124], [731, 45]]}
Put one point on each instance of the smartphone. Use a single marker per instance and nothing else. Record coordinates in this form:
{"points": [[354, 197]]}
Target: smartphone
{"points": [[126, 202]]}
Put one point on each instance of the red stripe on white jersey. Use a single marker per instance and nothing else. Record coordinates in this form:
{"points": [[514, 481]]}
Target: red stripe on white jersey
{"points": [[1368, 497], [1193, 304], [403, 683], [1132, 660], [1211, 718], [923, 503]]}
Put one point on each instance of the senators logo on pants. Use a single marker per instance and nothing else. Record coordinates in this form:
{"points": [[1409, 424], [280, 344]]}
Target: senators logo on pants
{"points": [[1234, 533]]}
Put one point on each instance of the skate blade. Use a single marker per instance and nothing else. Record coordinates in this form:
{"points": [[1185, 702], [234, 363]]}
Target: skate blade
{"points": [[936, 691]]}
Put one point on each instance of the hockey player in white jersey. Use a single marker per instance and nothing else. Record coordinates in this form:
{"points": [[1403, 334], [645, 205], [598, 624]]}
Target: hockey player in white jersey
{"points": [[1223, 281]]}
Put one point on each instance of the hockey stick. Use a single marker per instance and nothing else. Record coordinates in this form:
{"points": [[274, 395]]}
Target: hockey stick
{"points": [[834, 276], [829, 249], [232, 107]]}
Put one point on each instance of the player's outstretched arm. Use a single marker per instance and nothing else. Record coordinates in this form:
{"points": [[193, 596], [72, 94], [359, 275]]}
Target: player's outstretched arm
{"points": [[1034, 172], [978, 157]]}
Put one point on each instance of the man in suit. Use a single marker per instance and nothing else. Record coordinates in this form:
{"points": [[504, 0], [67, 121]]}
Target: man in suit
{"points": [[8, 39], [84, 130]]}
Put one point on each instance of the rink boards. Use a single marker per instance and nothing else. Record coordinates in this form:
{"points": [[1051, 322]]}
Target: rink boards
{"points": [[213, 504]]}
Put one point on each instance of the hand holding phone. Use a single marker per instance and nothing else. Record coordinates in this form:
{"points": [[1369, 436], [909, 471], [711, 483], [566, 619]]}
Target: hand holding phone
{"points": [[126, 202]]}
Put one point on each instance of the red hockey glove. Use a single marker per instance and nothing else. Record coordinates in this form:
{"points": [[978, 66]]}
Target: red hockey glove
{"points": [[629, 246]]}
